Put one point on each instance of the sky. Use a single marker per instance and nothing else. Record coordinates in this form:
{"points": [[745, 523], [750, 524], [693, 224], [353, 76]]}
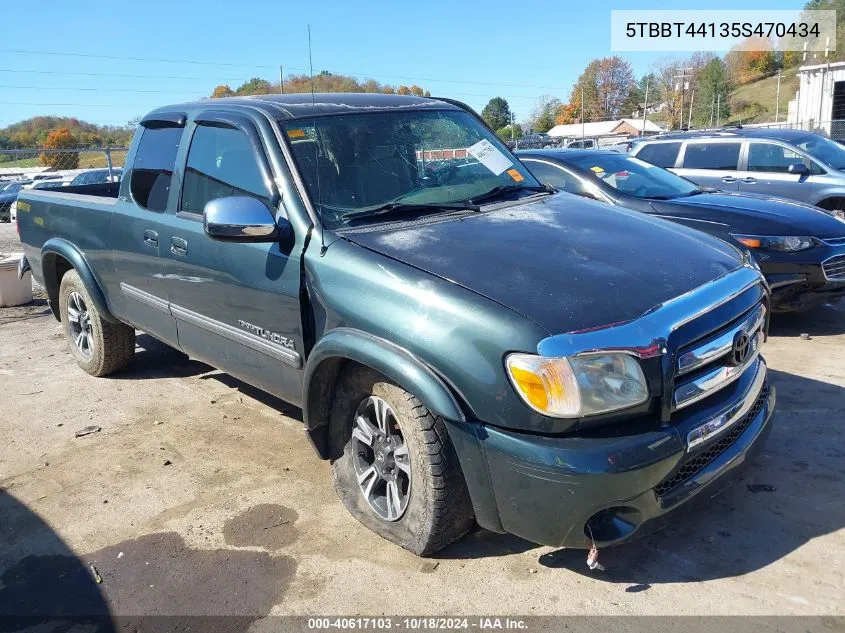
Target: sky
{"points": [[92, 60]]}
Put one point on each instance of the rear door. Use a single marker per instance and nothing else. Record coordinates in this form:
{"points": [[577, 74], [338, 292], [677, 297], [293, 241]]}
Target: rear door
{"points": [[662, 154], [236, 304], [137, 233], [766, 171], [711, 163]]}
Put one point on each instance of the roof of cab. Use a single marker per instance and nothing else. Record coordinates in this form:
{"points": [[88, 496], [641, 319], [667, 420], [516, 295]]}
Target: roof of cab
{"points": [[294, 106]]}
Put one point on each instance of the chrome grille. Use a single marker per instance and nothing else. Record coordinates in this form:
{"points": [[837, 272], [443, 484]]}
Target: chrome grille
{"points": [[707, 366], [694, 463], [834, 268]]}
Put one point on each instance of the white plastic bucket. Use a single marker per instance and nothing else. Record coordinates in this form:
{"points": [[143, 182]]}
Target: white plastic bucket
{"points": [[14, 291]]}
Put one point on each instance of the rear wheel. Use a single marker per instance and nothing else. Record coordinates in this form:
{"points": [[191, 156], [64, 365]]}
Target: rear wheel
{"points": [[397, 473], [98, 346]]}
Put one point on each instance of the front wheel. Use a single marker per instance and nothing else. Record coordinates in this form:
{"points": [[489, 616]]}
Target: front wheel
{"points": [[397, 472], [98, 346]]}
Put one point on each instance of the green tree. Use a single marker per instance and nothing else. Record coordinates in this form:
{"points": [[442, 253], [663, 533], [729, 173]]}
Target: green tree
{"points": [[506, 134], [255, 86], [544, 114], [497, 113], [713, 86]]}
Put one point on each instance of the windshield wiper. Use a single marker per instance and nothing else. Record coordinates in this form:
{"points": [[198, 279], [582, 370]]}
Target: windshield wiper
{"points": [[401, 208], [502, 190]]}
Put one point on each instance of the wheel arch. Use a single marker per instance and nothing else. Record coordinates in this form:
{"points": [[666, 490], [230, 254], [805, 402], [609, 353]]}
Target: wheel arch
{"points": [[58, 256], [342, 346], [832, 202]]}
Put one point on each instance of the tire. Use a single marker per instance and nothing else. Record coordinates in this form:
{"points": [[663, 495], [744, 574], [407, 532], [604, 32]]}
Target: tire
{"points": [[100, 348], [434, 508]]}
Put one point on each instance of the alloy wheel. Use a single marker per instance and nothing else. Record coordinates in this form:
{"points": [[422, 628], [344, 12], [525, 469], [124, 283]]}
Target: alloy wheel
{"points": [[79, 320], [381, 459]]}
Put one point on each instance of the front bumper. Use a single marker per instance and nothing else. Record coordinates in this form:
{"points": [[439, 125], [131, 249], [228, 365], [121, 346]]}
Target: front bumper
{"points": [[558, 490], [798, 281]]}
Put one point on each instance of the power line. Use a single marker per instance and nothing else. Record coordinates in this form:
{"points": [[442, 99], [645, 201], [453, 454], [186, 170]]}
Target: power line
{"points": [[125, 75], [102, 90], [231, 65]]}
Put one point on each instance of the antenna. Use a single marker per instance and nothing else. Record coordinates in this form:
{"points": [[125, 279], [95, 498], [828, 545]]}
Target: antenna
{"points": [[310, 65], [316, 153]]}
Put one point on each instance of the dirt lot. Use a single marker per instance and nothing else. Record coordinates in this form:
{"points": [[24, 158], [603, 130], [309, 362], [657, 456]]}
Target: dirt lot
{"points": [[200, 495]]}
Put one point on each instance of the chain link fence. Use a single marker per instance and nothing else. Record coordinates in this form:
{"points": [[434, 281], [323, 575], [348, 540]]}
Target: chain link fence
{"points": [[40, 163]]}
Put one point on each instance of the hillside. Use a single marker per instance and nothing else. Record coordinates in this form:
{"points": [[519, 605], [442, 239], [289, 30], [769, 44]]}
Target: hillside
{"points": [[33, 132], [755, 102]]}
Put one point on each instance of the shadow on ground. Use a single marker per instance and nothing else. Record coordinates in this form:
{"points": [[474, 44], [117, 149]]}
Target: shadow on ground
{"points": [[828, 320], [43, 584], [154, 582], [742, 531]]}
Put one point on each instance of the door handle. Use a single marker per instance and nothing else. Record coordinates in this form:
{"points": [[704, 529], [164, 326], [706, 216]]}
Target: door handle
{"points": [[728, 179], [151, 239], [178, 246], [749, 180]]}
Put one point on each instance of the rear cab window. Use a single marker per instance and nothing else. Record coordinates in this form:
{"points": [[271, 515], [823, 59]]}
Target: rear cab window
{"points": [[722, 156], [660, 154], [152, 169]]}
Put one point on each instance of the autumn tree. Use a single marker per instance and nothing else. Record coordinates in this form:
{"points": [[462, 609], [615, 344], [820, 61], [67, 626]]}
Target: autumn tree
{"points": [[606, 84], [497, 113], [403, 90], [745, 65], [60, 139], [222, 91]]}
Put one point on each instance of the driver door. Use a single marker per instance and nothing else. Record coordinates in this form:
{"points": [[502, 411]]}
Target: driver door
{"points": [[236, 304]]}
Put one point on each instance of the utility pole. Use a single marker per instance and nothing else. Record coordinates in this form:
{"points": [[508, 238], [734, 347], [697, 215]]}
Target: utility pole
{"points": [[780, 76], [712, 109], [689, 119], [582, 114], [718, 108], [645, 106], [281, 80], [682, 85]]}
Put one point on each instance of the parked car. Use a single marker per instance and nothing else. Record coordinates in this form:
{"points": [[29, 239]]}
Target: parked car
{"points": [[8, 195], [538, 140], [800, 248], [788, 163], [464, 342], [46, 184], [97, 176], [584, 143], [623, 147]]}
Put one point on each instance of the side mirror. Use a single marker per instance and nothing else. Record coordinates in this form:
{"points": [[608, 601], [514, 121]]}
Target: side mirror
{"points": [[798, 169], [240, 219]]}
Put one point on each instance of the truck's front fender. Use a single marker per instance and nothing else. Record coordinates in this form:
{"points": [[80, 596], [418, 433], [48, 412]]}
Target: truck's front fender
{"points": [[394, 362], [56, 248]]}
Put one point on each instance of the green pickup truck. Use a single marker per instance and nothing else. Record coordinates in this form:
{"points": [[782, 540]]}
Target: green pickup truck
{"points": [[467, 345]]}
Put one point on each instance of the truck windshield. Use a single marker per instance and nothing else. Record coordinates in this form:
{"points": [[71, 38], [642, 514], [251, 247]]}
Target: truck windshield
{"points": [[356, 163], [633, 177]]}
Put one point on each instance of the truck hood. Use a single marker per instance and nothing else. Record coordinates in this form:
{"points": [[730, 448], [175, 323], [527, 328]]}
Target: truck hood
{"points": [[757, 214], [564, 262]]}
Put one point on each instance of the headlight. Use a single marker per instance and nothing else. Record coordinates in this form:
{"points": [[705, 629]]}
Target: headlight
{"points": [[577, 386], [786, 244]]}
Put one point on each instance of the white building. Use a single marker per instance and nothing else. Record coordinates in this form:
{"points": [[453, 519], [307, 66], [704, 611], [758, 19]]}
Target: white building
{"points": [[820, 98], [621, 128]]}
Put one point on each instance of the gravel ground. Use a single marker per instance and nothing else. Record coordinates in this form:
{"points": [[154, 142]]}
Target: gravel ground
{"points": [[201, 495]]}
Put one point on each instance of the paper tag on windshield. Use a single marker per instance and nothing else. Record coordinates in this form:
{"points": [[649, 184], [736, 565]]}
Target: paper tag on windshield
{"points": [[489, 156]]}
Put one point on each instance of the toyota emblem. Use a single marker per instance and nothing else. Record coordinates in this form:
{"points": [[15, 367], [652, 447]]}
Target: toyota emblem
{"points": [[741, 346]]}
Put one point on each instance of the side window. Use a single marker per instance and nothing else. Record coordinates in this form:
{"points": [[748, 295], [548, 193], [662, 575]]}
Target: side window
{"points": [[769, 157], [153, 168], [221, 163], [660, 154], [722, 156], [557, 178]]}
